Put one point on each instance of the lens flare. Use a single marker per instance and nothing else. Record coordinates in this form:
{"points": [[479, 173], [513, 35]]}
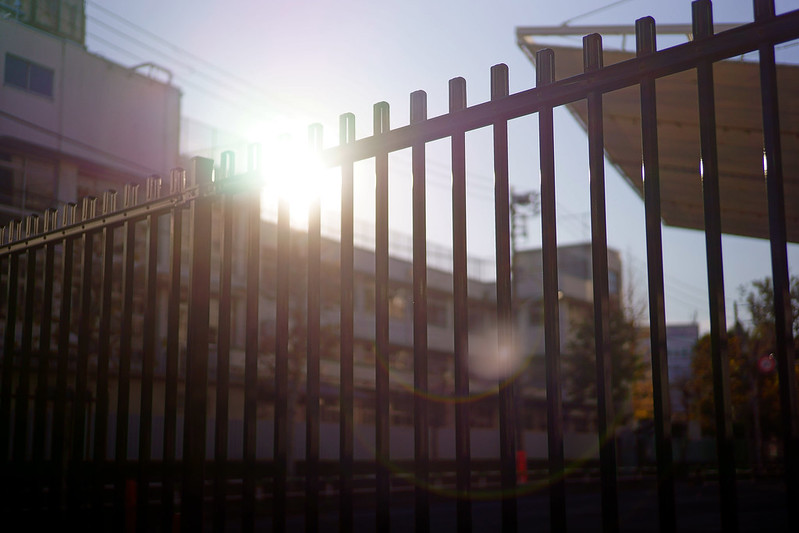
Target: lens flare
{"points": [[494, 354]]}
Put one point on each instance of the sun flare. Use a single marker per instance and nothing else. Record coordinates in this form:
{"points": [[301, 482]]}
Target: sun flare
{"points": [[293, 173]]}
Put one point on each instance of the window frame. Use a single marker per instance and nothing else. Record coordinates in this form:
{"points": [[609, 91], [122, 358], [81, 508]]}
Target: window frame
{"points": [[32, 69]]}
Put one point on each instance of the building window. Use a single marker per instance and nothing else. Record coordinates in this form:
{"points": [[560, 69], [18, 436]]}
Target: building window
{"points": [[6, 179], [397, 303], [364, 353], [400, 359], [613, 283], [477, 316], [401, 411], [536, 313], [28, 76], [437, 311], [368, 297]]}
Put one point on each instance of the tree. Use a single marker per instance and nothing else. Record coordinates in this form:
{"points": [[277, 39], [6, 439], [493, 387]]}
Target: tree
{"points": [[699, 388], [298, 356], [627, 363], [754, 393], [759, 300]]}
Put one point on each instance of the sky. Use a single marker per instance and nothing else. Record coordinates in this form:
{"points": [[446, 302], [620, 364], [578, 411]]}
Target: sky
{"points": [[262, 71]]}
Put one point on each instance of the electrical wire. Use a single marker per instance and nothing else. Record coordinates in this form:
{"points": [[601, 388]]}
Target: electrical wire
{"points": [[178, 49], [480, 185], [594, 11]]}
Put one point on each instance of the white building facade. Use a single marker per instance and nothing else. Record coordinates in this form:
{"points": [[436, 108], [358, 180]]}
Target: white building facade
{"points": [[73, 123]]}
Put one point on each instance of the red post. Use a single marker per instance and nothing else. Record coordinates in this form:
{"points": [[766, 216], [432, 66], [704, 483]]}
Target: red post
{"points": [[130, 505], [521, 466]]}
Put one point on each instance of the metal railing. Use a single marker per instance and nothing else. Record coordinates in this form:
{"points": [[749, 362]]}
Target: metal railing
{"points": [[99, 347]]}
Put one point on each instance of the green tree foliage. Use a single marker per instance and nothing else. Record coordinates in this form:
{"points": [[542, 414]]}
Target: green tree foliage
{"points": [[754, 394], [759, 300], [580, 359], [699, 389]]}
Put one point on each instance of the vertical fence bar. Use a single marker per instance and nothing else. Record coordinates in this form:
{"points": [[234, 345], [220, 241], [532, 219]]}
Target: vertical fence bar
{"points": [[782, 307], [77, 471], [725, 444], [104, 349], [785, 350], [592, 56], [62, 365], [178, 182], [45, 341], [460, 283], [507, 422], [21, 406], [148, 359], [282, 425], [125, 336], [103, 356], [646, 45], [545, 75], [229, 206], [382, 418], [26, 350], [312, 381], [346, 382], [253, 216], [9, 339], [420, 408], [194, 433]]}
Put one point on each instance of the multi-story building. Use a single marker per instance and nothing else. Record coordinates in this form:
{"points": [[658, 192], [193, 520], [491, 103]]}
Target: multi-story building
{"points": [[680, 340], [72, 123], [575, 304]]}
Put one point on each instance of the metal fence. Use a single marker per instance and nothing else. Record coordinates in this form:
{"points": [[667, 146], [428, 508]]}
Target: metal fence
{"points": [[106, 314]]}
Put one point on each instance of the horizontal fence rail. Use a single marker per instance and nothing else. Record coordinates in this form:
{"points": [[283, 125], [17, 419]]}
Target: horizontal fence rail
{"points": [[171, 360]]}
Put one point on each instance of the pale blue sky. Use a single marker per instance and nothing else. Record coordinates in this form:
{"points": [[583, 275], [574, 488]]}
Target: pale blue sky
{"points": [[289, 63]]}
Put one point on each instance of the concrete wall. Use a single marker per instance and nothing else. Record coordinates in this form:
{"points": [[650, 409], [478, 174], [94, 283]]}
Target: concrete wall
{"points": [[100, 111]]}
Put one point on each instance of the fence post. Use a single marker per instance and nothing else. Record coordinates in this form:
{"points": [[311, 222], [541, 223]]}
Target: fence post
{"points": [[709, 168], [168, 516], [645, 41], [346, 320], [460, 284], [420, 378], [312, 382], [785, 351], [545, 75], [507, 423], [197, 349], [592, 57], [382, 420], [253, 216], [221, 425]]}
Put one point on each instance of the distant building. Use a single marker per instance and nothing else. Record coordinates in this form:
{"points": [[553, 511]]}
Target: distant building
{"points": [[680, 340], [64, 18], [575, 303], [575, 291], [73, 124]]}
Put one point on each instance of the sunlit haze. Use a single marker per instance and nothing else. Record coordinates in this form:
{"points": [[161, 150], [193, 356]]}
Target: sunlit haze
{"points": [[254, 72]]}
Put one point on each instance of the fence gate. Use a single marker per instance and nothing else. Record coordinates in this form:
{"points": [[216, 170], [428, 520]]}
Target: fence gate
{"points": [[149, 342]]}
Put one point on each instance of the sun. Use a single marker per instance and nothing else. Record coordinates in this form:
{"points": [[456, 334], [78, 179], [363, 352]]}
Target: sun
{"points": [[293, 173]]}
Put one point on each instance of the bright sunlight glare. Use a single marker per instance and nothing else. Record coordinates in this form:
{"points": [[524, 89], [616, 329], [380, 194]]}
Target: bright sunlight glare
{"points": [[293, 173]]}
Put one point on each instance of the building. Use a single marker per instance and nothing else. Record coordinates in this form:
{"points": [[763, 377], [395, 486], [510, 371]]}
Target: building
{"points": [[73, 124], [680, 341]]}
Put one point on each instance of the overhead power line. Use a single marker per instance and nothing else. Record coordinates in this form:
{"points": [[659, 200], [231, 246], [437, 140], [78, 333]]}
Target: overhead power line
{"points": [[192, 64], [594, 11], [178, 49]]}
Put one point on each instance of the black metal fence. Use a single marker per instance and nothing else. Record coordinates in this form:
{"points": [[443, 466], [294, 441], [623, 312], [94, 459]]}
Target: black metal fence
{"points": [[111, 367]]}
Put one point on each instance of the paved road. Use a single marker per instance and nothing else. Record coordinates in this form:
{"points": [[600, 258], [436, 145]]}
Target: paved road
{"points": [[761, 508]]}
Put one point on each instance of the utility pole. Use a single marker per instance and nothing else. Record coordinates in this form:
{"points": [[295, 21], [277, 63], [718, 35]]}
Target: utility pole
{"points": [[523, 206]]}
